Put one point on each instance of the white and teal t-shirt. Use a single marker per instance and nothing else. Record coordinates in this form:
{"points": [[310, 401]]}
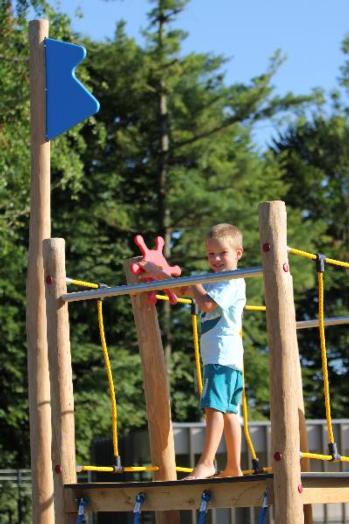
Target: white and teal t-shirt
{"points": [[220, 340]]}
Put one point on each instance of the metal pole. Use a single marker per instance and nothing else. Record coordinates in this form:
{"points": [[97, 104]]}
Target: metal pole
{"points": [[334, 321], [136, 289]]}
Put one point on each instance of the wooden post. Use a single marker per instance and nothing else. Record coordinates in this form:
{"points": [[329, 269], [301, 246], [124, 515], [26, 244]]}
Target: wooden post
{"points": [[156, 391], [305, 463], [63, 432], [39, 228], [283, 364]]}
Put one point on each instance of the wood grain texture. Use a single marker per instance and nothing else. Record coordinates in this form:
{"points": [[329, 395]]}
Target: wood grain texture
{"points": [[283, 363], [39, 228], [62, 398], [156, 389]]}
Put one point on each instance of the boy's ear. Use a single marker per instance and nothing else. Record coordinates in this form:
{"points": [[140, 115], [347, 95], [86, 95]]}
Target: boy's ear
{"points": [[239, 253]]}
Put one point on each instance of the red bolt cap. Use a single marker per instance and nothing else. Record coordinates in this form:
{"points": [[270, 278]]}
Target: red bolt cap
{"points": [[58, 469], [300, 488], [49, 279], [266, 247], [285, 267], [278, 456]]}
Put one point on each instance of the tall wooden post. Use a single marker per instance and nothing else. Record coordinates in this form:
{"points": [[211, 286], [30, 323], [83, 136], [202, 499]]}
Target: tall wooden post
{"points": [[40, 228], [156, 391], [283, 364], [63, 431]]}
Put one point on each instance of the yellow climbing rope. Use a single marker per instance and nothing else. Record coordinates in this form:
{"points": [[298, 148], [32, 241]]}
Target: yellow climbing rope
{"points": [[107, 366], [324, 357], [81, 283], [194, 321], [112, 395], [179, 299], [321, 260], [111, 469], [326, 458], [246, 423], [255, 308], [312, 256]]}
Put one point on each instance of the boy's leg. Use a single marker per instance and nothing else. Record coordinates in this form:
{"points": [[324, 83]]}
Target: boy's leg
{"points": [[232, 435], [214, 429]]}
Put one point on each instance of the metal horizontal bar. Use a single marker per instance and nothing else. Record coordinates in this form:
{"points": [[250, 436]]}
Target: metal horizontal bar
{"points": [[335, 321], [136, 289]]}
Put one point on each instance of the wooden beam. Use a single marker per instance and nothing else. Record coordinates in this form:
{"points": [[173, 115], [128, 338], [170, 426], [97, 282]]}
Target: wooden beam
{"points": [[156, 390], [175, 495], [283, 363], [39, 228], [318, 488], [63, 426]]}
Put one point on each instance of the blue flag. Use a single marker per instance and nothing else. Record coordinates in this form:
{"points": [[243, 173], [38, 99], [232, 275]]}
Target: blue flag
{"points": [[67, 100]]}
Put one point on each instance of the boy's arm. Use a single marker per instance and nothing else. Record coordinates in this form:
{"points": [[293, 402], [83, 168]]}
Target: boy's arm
{"points": [[203, 300]]}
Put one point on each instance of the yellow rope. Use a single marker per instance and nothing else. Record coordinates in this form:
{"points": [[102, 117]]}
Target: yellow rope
{"points": [[194, 323], [189, 301], [252, 471], [320, 456], [324, 363], [110, 469], [110, 377], [301, 253], [311, 256], [324, 356], [337, 262], [246, 426], [82, 283], [180, 300], [255, 308], [183, 470]]}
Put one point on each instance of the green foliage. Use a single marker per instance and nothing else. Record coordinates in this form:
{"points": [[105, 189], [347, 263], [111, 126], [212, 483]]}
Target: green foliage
{"points": [[170, 152], [15, 501]]}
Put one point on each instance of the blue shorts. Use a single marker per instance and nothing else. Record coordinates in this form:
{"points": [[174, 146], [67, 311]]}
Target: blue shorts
{"points": [[222, 388]]}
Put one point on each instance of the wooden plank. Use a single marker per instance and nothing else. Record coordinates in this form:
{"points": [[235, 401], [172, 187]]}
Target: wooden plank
{"points": [[325, 488], [325, 495], [183, 495], [318, 488]]}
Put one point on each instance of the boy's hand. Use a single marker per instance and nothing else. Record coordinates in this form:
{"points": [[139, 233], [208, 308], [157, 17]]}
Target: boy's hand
{"points": [[183, 291], [153, 271]]}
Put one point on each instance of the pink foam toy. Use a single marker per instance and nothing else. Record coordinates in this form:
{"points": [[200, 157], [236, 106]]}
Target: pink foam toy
{"points": [[154, 266]]}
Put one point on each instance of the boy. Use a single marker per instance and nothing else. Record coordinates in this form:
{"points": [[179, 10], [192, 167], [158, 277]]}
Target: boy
{"points": [[221, 306]]}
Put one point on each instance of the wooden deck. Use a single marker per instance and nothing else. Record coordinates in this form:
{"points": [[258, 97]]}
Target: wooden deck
{"points": [[318, 488]]}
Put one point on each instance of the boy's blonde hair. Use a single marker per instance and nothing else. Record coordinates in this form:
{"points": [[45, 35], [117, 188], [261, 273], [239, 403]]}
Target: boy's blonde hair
{"points": [[227, 231]]}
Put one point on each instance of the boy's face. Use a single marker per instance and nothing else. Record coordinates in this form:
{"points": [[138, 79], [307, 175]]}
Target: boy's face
{"points": [[221, 255]]}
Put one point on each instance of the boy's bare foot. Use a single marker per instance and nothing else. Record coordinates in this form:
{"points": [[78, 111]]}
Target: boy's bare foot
{"points": [[201, 471]]}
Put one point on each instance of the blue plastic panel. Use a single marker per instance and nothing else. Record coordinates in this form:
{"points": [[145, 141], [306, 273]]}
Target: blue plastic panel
{"points": [[67, 100]]}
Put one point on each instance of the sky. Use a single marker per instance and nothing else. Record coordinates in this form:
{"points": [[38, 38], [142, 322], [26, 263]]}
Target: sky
{"points": [[309, 32]]}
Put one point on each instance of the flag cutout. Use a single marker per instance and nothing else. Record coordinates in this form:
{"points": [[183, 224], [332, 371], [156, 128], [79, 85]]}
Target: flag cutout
{"points": [[67, 100]]}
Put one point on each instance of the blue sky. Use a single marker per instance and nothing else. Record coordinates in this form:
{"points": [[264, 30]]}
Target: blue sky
{"points": [[309, 32]]}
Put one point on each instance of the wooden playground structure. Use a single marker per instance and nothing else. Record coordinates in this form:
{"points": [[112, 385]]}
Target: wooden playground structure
{"points": [[290, 487]]}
